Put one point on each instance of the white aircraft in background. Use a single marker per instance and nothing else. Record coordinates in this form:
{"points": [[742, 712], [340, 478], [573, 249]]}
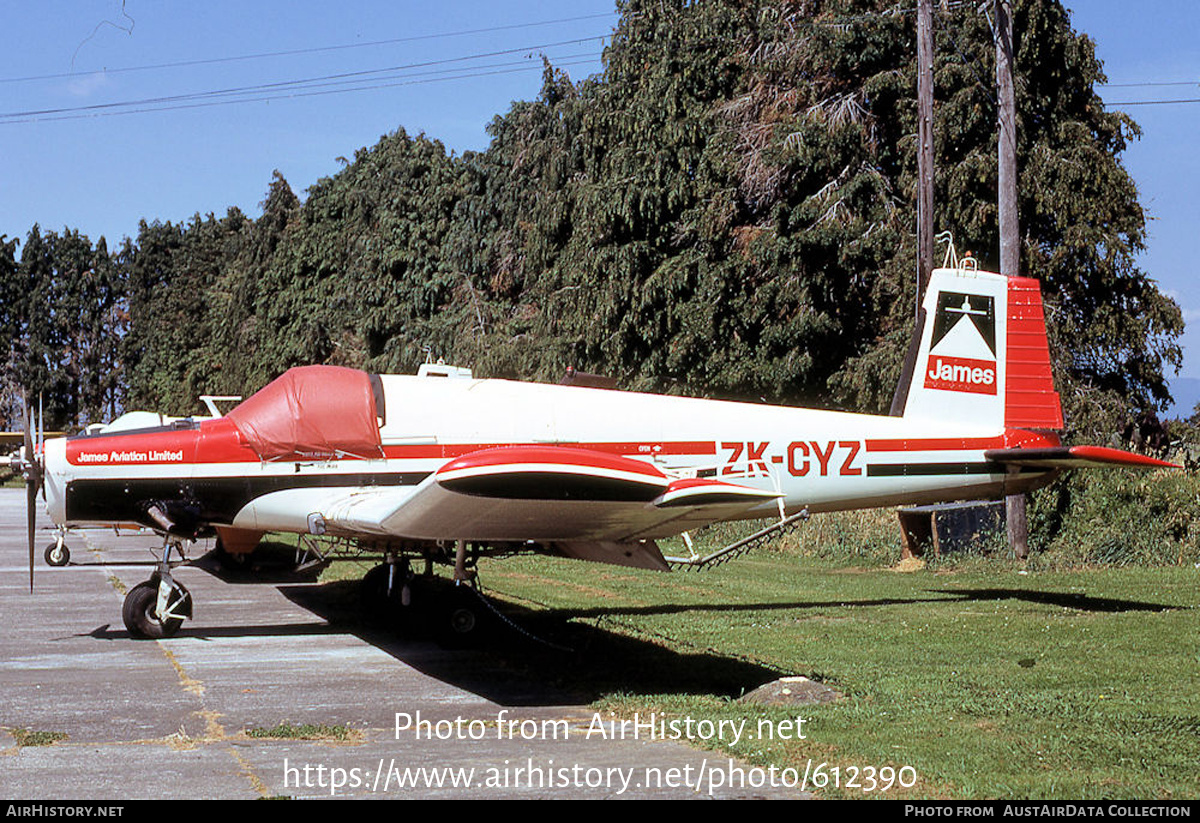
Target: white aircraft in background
{"points": [[443, 467]]}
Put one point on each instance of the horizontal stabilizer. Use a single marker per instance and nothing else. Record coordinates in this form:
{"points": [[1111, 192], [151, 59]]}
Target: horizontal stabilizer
{"points": [[1075, 457]]}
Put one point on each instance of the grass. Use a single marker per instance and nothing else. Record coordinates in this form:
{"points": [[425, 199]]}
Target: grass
{"points": [[302, 731], [988, 680], [28, 737]]}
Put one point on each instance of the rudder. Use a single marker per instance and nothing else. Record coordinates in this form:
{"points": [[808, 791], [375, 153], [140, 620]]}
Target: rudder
{"points": [[1030, 401]]}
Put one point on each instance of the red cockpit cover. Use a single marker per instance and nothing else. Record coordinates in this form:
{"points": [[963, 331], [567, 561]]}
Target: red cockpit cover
{"points": [[311, 412]]}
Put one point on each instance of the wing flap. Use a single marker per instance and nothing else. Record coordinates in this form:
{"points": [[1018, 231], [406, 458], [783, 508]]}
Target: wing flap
{"points": [[637, 554]]}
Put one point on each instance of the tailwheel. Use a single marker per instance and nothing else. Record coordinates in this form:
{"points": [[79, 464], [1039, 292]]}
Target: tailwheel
{"points": [[57, 554], [156, 609]]}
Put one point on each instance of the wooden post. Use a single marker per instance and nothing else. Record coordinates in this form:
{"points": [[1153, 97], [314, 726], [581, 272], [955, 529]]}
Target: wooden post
{"points": [[924, 146], [1010, 235]]}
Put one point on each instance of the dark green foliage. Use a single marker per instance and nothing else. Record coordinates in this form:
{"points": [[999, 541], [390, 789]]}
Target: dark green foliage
{"points": [[360, 279], [64, 313], [235, 294], [175, 276], [699, 221], [1118, 518], [1114, 334], [13, 312]]}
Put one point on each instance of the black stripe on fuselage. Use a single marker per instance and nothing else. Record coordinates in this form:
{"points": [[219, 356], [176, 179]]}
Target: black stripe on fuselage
{"points": [[208, 499], [940, 469]]}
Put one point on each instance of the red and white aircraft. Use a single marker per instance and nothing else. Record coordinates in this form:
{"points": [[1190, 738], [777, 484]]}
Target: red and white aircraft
{"points": [[441, 466]]}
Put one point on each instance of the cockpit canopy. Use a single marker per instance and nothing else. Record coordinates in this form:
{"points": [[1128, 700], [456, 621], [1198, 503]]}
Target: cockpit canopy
{"points": [[314, 412]]}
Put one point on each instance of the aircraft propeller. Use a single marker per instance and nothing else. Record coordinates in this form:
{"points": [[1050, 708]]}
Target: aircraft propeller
{"points": [[32, 468]]}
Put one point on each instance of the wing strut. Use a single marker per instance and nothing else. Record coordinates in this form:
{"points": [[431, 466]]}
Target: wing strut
{"points": [[739, 547]]}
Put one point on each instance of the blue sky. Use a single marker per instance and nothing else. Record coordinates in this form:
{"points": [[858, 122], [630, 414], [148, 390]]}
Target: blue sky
{"points": [[1155, 42], [101, 172]]}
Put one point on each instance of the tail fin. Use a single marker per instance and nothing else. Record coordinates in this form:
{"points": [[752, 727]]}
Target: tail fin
{"points": [[982, 355]]}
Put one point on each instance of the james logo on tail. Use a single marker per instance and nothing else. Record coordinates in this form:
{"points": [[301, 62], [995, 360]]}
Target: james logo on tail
{"points": [[963, 353]]}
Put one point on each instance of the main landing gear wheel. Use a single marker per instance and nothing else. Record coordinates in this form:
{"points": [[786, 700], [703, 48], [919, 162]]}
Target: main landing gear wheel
{"points": [[465, 618], [387, 595], [141, 611], [57, 554]]}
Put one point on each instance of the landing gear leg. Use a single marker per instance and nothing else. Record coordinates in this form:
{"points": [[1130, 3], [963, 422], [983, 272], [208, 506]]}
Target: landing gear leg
{"points": [[464, 618], [461, 575], [157, 608]]}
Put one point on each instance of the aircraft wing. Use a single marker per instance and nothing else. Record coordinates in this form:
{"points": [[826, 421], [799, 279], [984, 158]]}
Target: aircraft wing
{"points": [[583, 503], [1075, 457]]}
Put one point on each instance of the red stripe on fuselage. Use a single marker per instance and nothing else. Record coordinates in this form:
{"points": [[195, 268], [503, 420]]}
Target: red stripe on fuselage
{"points": [[935, 444], [1011, 439], [143, 448], [218, 441]]}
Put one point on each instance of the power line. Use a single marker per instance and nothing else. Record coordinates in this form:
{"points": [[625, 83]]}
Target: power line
{"points": [[1148, 85], [463, 74], [279, 86], [312, 50], [1154, 102]]}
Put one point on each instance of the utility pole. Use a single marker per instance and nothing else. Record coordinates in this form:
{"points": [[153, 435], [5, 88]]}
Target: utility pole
{"points": [[924, 147], [1010, 235]]}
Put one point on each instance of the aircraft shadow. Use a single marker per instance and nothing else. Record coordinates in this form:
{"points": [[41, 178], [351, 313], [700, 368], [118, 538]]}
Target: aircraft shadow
{"points": [[527, 657], [1067, 600], [551, 657], [1079, 602], [107, 632], [523, 658], [275, 565]]}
